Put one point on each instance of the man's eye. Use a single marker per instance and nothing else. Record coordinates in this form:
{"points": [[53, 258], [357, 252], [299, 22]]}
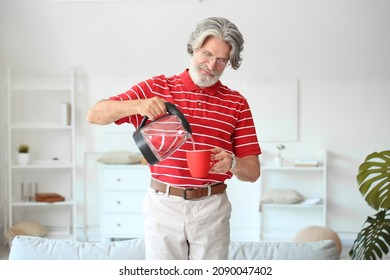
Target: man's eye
{"points": [[222, 61]]}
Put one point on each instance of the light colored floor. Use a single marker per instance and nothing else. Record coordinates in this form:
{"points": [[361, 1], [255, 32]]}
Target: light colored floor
{"points": [[4, 251]]}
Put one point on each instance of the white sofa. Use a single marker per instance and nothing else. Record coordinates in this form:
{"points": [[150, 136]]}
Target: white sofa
{"points": [[38, 248]]}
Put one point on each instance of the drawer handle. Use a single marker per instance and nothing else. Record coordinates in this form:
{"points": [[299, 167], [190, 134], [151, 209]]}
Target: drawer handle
{"points": [[118, 179], [118, 202], [118, 225]]}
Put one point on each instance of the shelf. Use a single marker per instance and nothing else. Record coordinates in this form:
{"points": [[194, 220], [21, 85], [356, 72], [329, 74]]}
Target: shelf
{"points": [[294, 168], [44, 166], [298, 205], [48, 128], [38, 204], [34, 126], [30, 86], [281, 221]]}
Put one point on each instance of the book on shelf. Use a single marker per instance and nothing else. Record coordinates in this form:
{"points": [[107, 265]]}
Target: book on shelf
{"points": [[48, 197], [306, 163]]}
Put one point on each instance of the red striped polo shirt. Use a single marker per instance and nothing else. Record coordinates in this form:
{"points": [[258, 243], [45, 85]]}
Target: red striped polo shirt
{"points": [[219, 117]]}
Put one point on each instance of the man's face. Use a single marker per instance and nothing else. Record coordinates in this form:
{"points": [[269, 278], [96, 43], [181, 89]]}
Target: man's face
{"points": [[209, 61]]}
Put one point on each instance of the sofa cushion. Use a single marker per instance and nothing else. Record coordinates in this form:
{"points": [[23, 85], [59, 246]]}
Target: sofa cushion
{"points": [[316, 233], [120, 157], [37, 248], [282, 196], [267, 250], [26, 228]]}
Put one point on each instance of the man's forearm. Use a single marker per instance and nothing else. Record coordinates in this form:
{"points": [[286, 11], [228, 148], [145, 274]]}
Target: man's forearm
{"points": [[108, 111], [247, 169]]}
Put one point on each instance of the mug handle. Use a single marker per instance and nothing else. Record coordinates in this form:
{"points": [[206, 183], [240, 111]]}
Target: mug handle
{"points": [[212, 164]]}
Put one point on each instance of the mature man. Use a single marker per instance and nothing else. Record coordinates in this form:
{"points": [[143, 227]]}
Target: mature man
{"points": [[186, 217]]}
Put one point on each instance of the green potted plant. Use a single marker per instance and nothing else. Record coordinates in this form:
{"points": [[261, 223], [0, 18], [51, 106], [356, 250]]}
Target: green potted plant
{"points": [[23, 154], [373, 241]]}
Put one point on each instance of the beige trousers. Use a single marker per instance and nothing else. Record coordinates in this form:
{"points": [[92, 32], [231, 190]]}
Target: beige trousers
{"points": [[178, 229]]}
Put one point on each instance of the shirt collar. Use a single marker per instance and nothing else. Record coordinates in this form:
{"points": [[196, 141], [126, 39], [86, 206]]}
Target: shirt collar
{"points": [[191, 86]]}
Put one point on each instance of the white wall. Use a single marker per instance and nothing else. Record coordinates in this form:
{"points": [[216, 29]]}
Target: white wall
{"points": [[337, 49]]}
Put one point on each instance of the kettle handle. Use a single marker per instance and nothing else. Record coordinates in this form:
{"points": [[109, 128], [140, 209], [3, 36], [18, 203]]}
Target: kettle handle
{"points": [[171, 109], [144, 120]]}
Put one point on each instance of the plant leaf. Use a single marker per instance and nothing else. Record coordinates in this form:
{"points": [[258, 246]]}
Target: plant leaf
{"points": [[373, 241], [374, 180]]}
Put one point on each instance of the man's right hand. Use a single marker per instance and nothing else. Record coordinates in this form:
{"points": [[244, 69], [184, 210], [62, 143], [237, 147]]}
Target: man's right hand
{"points": [[152, 107]]}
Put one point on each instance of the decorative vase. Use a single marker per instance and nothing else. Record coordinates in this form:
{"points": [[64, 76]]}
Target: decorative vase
{"points": [[23, 158], [278, 161]]}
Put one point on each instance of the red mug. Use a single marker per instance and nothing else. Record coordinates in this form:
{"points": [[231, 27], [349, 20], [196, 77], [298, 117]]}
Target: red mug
{"points": [[199, 163]]}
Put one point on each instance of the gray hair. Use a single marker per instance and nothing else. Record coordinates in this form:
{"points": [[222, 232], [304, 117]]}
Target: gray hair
{"points": [[220, 28]]}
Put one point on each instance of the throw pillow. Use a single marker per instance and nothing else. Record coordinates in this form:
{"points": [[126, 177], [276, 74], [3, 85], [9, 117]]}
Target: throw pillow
{"points": [[282, 196], [317, 233], [120, 157], [29, 228], [26, 228]]}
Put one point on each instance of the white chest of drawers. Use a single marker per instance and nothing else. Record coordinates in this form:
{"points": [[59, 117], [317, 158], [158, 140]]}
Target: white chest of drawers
{"points": [[123, 188]]}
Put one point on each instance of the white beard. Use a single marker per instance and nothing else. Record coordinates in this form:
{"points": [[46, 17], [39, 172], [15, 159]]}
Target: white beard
{"points": [[200, 79]]}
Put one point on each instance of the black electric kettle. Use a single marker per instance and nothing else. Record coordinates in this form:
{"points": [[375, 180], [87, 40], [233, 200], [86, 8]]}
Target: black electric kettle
{"points": [[158, 139]]}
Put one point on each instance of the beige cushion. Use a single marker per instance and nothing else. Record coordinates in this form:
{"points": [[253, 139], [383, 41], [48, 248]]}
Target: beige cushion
{"points": [[120, 157], [282, 196], [317, 233], [26, 228]]}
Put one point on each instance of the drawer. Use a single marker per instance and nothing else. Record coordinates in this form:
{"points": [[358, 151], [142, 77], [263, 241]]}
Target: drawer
{"points": [[115, 202], [126, 179], [123, 225]]}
